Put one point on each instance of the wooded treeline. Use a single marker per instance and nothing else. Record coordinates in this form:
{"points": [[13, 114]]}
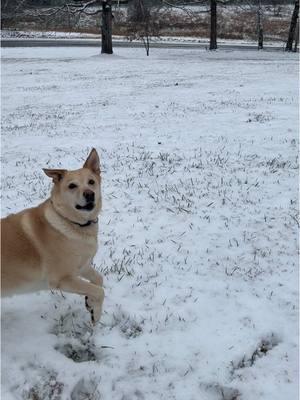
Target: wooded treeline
{"points": [[146, 19]]}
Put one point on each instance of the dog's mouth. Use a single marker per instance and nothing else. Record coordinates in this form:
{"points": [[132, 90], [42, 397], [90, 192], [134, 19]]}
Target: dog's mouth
{"points": [[88, 207]]}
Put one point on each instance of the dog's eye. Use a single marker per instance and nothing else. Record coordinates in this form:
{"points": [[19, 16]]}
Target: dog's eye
{"points": [[72, 186], [91, 182]]}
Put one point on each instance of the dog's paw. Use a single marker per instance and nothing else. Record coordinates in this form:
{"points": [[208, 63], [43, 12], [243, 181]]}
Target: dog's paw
{"points": [[87, 305], [94, 307]]}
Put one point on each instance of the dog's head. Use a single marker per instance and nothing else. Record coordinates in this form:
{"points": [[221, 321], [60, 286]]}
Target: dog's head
{"points": [[76, 195]]}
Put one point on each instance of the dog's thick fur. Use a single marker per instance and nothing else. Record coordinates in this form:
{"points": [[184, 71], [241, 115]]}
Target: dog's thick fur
{"points": [[52, 246]]}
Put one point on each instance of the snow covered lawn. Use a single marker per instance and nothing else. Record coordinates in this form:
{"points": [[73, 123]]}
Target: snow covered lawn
{"points": [[198, 234]]}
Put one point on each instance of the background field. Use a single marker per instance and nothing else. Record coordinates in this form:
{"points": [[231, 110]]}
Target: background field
{"points": [[198, 234]]}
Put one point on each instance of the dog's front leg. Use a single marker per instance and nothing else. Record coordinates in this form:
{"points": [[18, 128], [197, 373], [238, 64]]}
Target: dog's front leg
{"points": [[74, 284], [88, 272]]}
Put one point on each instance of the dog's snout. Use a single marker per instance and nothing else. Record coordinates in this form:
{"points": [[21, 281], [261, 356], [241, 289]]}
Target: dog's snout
{"points": [[89, 195]]}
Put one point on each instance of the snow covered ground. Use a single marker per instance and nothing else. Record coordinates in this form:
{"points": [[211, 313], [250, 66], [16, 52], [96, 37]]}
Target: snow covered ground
{"points": [[198, 234]]}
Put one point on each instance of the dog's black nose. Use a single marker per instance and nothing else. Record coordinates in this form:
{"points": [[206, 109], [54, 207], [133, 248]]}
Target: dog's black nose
{"points": [[89, 195]]}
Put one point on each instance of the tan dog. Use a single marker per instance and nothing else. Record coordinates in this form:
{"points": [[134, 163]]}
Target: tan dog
{"points": [[52, 245]]}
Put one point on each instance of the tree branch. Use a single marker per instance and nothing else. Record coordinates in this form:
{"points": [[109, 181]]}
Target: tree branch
{"points": [[182, 6], [74, 9]]}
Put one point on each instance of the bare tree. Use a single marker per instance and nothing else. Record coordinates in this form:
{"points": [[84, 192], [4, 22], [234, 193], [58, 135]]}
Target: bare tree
{"points": [[73, 9], [293, 26], [144, 21], [260, 31], [213, 25], [259, 9], [297, 39], [106, 28], [89, 7], [209, 6]]}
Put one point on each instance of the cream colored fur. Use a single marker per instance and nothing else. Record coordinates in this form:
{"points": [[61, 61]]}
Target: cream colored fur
{"points": [[51, 246]]}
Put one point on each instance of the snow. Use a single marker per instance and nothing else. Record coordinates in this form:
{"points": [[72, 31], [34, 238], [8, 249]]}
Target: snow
{"points": [[198, 234]]}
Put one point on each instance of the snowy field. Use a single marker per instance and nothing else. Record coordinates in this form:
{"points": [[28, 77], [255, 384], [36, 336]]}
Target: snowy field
{"points": [[198, 234]]}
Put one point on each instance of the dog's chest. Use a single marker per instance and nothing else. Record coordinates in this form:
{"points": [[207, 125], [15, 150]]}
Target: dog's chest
{"points": [[82, 250], [71, 255]]}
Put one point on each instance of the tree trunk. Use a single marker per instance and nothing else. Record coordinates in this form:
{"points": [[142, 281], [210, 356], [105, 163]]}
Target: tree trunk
{"points": [[213, 25], [106, 28], [289, 43], [147, 45], [260, 32], [296, 39]]}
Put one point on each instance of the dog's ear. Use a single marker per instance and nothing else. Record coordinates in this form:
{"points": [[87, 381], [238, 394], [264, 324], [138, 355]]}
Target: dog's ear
{"points": [[55, 174], [93, 162]]}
